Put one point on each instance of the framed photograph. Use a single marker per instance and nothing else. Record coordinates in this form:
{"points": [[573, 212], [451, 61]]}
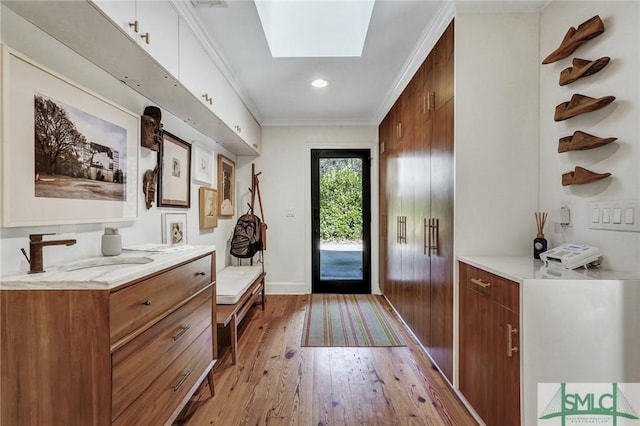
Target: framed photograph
{"points": [[68, 154], [203, 165], [226, 187], [208, 208], [174, 228], [174, 172]]}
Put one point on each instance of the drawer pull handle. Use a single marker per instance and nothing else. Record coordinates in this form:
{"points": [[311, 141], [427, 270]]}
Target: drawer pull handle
{"points": [[200, 273], [181, 381], [480, 283], [146, 302], [511, 330], [181, 332]]}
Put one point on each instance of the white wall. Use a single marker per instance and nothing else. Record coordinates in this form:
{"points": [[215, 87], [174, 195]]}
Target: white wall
{"points": [[622, 158], [27, 39], [496, 133], [285, 184]]}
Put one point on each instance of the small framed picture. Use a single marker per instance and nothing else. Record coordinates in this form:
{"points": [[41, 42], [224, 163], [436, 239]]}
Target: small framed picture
{"points": [[174, 228], [203, 165], [208, 208], [174, 183], [226, 187]]}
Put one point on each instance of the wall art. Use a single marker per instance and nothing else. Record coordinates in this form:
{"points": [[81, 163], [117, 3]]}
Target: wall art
{"points": [[174, 228], [226, 187], [208, 207], [174, 183], [203, 165], [69, 155]]}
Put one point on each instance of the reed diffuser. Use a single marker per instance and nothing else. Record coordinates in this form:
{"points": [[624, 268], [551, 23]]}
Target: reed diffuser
{"points": [[540, 243]]}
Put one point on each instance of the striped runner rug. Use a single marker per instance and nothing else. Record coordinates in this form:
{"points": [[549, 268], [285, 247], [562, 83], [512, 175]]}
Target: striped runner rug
{"points": [[348, 320]]}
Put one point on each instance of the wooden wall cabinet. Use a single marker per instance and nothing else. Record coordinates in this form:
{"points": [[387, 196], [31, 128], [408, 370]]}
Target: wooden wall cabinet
{"points": [[130, 355], [490, 345], [416, 204]]}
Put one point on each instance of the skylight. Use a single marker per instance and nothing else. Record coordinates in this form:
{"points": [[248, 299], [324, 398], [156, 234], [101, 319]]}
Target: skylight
{"points": [[315, 29]]}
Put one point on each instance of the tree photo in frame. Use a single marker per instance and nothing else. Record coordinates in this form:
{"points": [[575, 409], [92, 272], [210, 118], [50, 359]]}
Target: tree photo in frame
{"points": [[69, 155], [174, 171], [208, 207], [226, 187]]}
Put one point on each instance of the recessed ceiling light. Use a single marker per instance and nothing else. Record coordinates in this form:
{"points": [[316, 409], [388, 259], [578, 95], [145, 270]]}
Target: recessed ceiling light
{"points": [[320, 83]]}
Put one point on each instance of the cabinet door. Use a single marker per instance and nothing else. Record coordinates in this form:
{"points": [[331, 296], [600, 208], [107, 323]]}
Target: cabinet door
{"points": [[195, 65], [475, 372], [383, 221], [504, 351], [122, 13], [442, 236], [422, 197], [443, 67], [158, 20]]}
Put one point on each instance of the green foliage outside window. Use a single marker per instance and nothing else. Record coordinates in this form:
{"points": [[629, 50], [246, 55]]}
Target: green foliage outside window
{"points": [[341, 199]]}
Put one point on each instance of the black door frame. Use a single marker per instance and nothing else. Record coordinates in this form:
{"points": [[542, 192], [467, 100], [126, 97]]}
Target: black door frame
{"points": [[341, 286]]}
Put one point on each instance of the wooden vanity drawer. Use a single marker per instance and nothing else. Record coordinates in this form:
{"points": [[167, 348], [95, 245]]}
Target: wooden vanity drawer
{"points": [[139, 304], [159, 400], [499, 289], [137, 364]]}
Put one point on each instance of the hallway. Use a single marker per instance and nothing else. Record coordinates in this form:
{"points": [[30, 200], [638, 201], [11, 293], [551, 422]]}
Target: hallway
{"points": [[278, 382]]}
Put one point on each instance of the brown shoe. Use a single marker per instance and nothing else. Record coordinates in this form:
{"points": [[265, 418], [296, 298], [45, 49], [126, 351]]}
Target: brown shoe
{"points": [[581, 176], [574, 39], [579, 104], [581, 141], [582, 68]]}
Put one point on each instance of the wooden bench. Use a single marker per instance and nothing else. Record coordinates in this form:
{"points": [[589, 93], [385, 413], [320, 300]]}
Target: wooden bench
{"points": [[238, 288]]}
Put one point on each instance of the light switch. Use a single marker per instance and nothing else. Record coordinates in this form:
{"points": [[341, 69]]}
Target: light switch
{"points": [[617, 215], [595, 215], [628, 215], [606, 213]]}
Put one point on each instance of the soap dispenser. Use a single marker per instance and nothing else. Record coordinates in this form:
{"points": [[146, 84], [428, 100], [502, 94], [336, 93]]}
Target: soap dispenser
{"points": [[111, 242]]}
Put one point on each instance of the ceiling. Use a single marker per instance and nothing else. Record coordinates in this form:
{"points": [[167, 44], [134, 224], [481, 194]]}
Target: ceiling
{"points": [[361, 89]]}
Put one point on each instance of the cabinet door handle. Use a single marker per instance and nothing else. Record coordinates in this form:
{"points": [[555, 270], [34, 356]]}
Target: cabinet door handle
{"points": [[145, 37], [180, 333], [435, 228], [134, 25], [398, 236], [181, 381], [480, 283], [511, 330], [426, 244], [147, 302]]}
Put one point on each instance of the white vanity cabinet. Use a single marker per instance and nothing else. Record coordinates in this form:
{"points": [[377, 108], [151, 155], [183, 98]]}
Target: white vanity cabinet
{"points": [[151, 24]]}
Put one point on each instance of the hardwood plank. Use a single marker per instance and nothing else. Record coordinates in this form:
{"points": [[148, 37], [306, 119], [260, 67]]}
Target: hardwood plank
{"points": [[276, 381]]}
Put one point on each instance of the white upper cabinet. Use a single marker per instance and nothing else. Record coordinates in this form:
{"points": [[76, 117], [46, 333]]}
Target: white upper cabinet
{"points": [[203, 78], [151, 24]]}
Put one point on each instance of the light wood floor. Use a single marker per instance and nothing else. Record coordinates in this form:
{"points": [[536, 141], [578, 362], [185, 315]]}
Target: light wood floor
{"points": [[278, 382]]}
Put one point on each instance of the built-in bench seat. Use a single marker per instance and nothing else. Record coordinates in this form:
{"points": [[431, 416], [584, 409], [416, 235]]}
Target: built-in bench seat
{"points": [[238, 288]]}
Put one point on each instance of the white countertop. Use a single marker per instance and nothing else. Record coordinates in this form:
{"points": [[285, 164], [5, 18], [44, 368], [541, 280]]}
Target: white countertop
{"points": [[521, 268], [107, 277]]}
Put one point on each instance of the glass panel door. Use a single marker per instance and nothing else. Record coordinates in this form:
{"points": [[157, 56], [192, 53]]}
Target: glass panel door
{"points": [[341, 221]]}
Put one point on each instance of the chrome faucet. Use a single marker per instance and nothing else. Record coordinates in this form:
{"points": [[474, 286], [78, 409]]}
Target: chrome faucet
{"points": [[35, 250]]}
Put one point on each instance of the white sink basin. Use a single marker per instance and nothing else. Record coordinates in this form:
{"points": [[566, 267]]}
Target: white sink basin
{"points": [[105, 261]]}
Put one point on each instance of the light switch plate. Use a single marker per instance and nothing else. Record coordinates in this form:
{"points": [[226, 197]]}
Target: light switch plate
{"points": [[616, 215]]}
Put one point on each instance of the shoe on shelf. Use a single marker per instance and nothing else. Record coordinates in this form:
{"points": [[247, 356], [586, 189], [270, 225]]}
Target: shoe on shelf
{"points": [[581, 176], [582, 68], [575, 37], [579, 104], [580, 141]]}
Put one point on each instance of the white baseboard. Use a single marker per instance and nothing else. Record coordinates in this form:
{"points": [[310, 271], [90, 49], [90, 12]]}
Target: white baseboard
{"points": [[286, 288]]}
